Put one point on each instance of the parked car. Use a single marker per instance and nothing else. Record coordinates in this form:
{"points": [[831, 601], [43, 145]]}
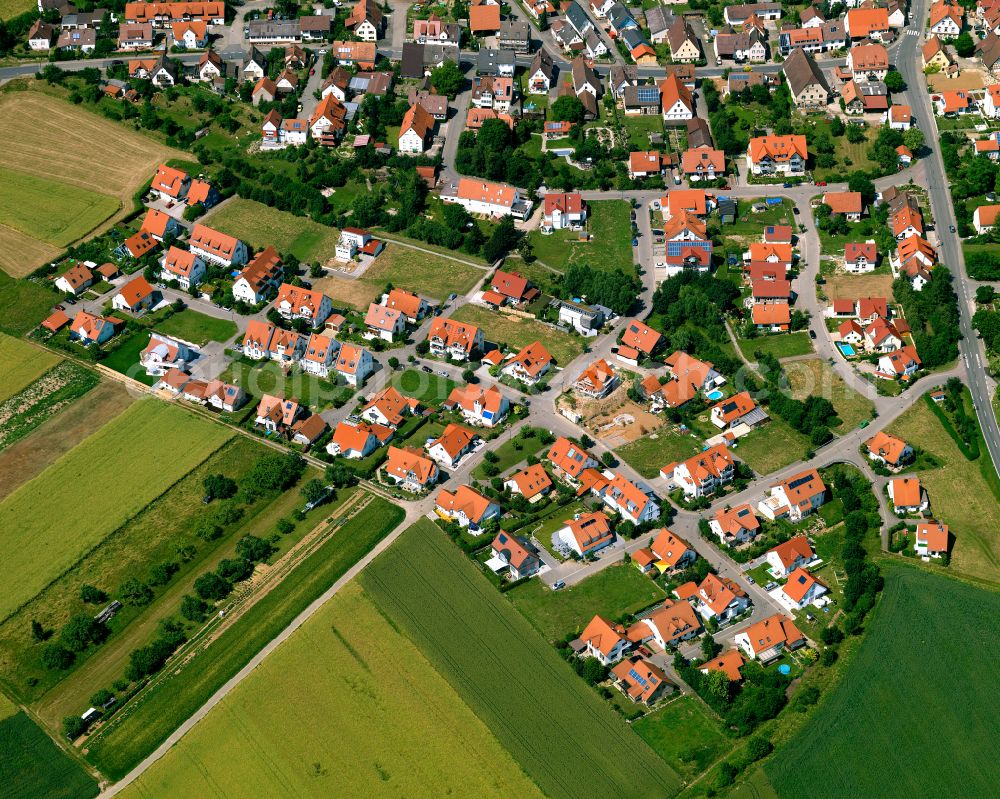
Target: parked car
{"points": [[820, 182], [558, 584], [426, 369], [751, 580], [812, 334], [786, 185]]}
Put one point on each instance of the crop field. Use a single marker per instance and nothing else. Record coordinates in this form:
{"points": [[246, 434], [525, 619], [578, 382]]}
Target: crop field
{"points": [[959, 494], [51, 521], [347, 676], [611, 593], [177, 694], [20, 364], [260, 225], [32, 766], [30, 456], [197, 328], [51, 211], [817, 378], [425, 273], [560, 731], [920, 693], [58, 142], [519, 332], [43, 399]]}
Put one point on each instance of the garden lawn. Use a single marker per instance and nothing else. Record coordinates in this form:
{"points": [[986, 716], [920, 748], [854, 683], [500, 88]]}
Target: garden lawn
{"points": [[20, 364], [52, 212], [780, 345], [197, 328], [350, 676], [23, 304], [816, 377], [125, 357], [427, 387], [129, 738], [267, 378], [959, 494], [686, 734], [517, 332], [565, 737], [611, 592], [51, 521], [771, 446], [651, 453], [609, 248], [938, 733], [511, 452], [260, 226], [32, 766]]}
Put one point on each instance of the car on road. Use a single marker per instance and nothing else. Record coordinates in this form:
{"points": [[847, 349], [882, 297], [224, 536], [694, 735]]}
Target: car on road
{"points": [[820, 182], [426, 369], [795, 210], [452, 296], [770, 586], [70, 301], [812, 334], [751, 580], [635, 242], [60, 308], [633, 215], [443, 372], [786, 185], [312, 71], [558, 584], [951, 228]]}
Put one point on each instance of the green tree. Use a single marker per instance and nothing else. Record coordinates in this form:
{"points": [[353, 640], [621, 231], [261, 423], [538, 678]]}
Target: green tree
{"points": [[210, 586], [567, 108], [92, 595], [965, 45], [80, 632], [193, 608], [339, 475], [134, 592], [73, 727], [218, 486], [57, 657], [503, 240], [38, 632], [914, 139], [447, 79], [313, 491], [894, 81]]}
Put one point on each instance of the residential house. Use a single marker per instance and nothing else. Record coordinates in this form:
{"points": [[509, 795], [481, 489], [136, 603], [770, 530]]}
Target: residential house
{"points": [[130, 37], [467, 507], [530, 365], [563, 210], [217, 247], [354, 364], [801, 590], [169, 183], [646, 164], [328, 120], [860, 257], [641, 681], [480, 406], [676, 100], [670, 625], [296, 302], [907, 496], [318, 354], [899, 363], [264, 92], [702, 474], [868, 62], [720, 598], [868, 23], [806, 81], [495, 63], [585, 534], [409, 469], [40, 35], [516, 554], [954, 103], [80, 40], [91, 329], [889, 450], [531, 482], [484, 20], [454, 443], [416, 130], [846, 203], [366, 20], [384, 323], [604, 641], [389, 408], [454, 340], [597, 380], [770, 638], [729, 663], [735, 526], [633, 501], [739, 409], [794, 498], [541, 73], [795, 553], [189, 35], [210, 68], [491, 199], [703, 164], [182, 267], [671, 553], [434, 29], [135, 296], [900, 117], [259, 277], [785, 155], [933, 55], [569, 460], [75, 279], [738, 14], [931, 540], [946, 20], [358, 440], [985, 217], [515, 35]]}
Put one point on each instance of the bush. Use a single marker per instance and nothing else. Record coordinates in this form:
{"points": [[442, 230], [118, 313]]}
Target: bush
{"points": [[101, 698], [160, 573], [193, 608], [758, 748], [92, 595], [218, 486], [74, 727]]}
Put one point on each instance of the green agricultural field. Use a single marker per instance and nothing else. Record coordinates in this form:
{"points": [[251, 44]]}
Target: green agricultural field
{"points": [[32, 766], [197, 328], [23, 304], [55, 213], [780, 345], [610, 246], [348, 676], [564, 736], [651, 453], [959, 494], [51, 521], [771, 446], [20, 364], [260, 226], [686, 734], [122, 744], [43, 398], [517, 332], [612, 592], [815, 377], [429, 388], [929, 634]]}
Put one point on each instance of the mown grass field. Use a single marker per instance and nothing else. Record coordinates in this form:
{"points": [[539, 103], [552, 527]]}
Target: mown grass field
{"points": [[267, 378], [959, 494], [50, 522], [51, 211], [260, 226], [518, 332], [56, 141], [609, 248], [125, 358], [197, 328], [346, 676], [32, 766], [771, 446], [781, 345], [611, 593], [513, 451], [647, 455], [815, 377], [425, 273], [686, 734], [560, 731], [427, 387], [133, 735], [920, 693], [23, 304], [20, 364]]}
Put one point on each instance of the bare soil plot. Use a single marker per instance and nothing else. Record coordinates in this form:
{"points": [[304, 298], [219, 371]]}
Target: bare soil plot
{"points": [[968, 79], [853, 287]]}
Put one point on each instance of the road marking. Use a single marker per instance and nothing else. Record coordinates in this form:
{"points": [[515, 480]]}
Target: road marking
{"points": [[912, 32]]}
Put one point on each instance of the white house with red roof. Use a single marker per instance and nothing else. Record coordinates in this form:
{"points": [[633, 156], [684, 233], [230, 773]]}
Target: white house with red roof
{"points": [[931, 539], [453, 339], [467, 507], [478, 405], [318, 354], [563, 210], [358, 440], [794, 498], [296, 302], [410, 469], [515, 554], [860, 257], [384, 323], [633, 501], [354, 364], [163, 353], [454, 443], [389, 408], [135, 296], [75, 279], [585, 534], [719, 598], [478, 196], [530, 365], [569, 460], [770, 638], [604, 641], [800, 590], [734, 526], [795, 553], [512, 287], [169, 183], [220, 248], [702, 474], [531, 482], [182, 267], [259, 277]]}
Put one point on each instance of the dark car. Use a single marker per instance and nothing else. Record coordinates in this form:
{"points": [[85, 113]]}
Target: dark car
{"points": [[786, 185], [426, 369], [951, 228], [812, 334], [795, 210]]}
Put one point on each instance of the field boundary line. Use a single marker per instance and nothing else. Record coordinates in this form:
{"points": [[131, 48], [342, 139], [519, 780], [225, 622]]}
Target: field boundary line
{"points": [[483, 267]]}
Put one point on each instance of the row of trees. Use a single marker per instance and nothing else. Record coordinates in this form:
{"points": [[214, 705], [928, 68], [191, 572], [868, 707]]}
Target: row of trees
{"points": [[811, 416], [933, 316]]}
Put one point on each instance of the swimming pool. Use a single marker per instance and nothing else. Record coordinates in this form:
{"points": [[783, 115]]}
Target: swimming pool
{"points": [[784, 668], [846, 349], [715, 395]]}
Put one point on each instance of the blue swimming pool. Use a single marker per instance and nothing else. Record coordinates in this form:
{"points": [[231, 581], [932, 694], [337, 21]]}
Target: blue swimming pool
{"points": [[784, 668], [715, 395], [846, 349]]}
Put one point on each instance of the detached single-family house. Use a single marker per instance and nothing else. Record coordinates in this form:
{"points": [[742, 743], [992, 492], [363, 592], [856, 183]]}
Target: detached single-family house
{"points": [[409, 469], [454, 340], [530, 365], [605, 642], [480, 406], [75, 279], [793, 554], [888, 450], [467, 507], [354, 364], [516, 554], [531, 482], [802, 589], [164, 353], [134, 296], [182, 267], [702, 474], [735, 526], [794, 498], [770, 638], [931, 540], [907, 495], [91, 329], [296, 302], [454, 443], [586, 534], [358, 440]]}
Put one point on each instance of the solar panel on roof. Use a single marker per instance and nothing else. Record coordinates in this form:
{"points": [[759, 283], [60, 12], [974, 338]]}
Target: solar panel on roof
{"points": [[648, 94], [674, 247]]}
